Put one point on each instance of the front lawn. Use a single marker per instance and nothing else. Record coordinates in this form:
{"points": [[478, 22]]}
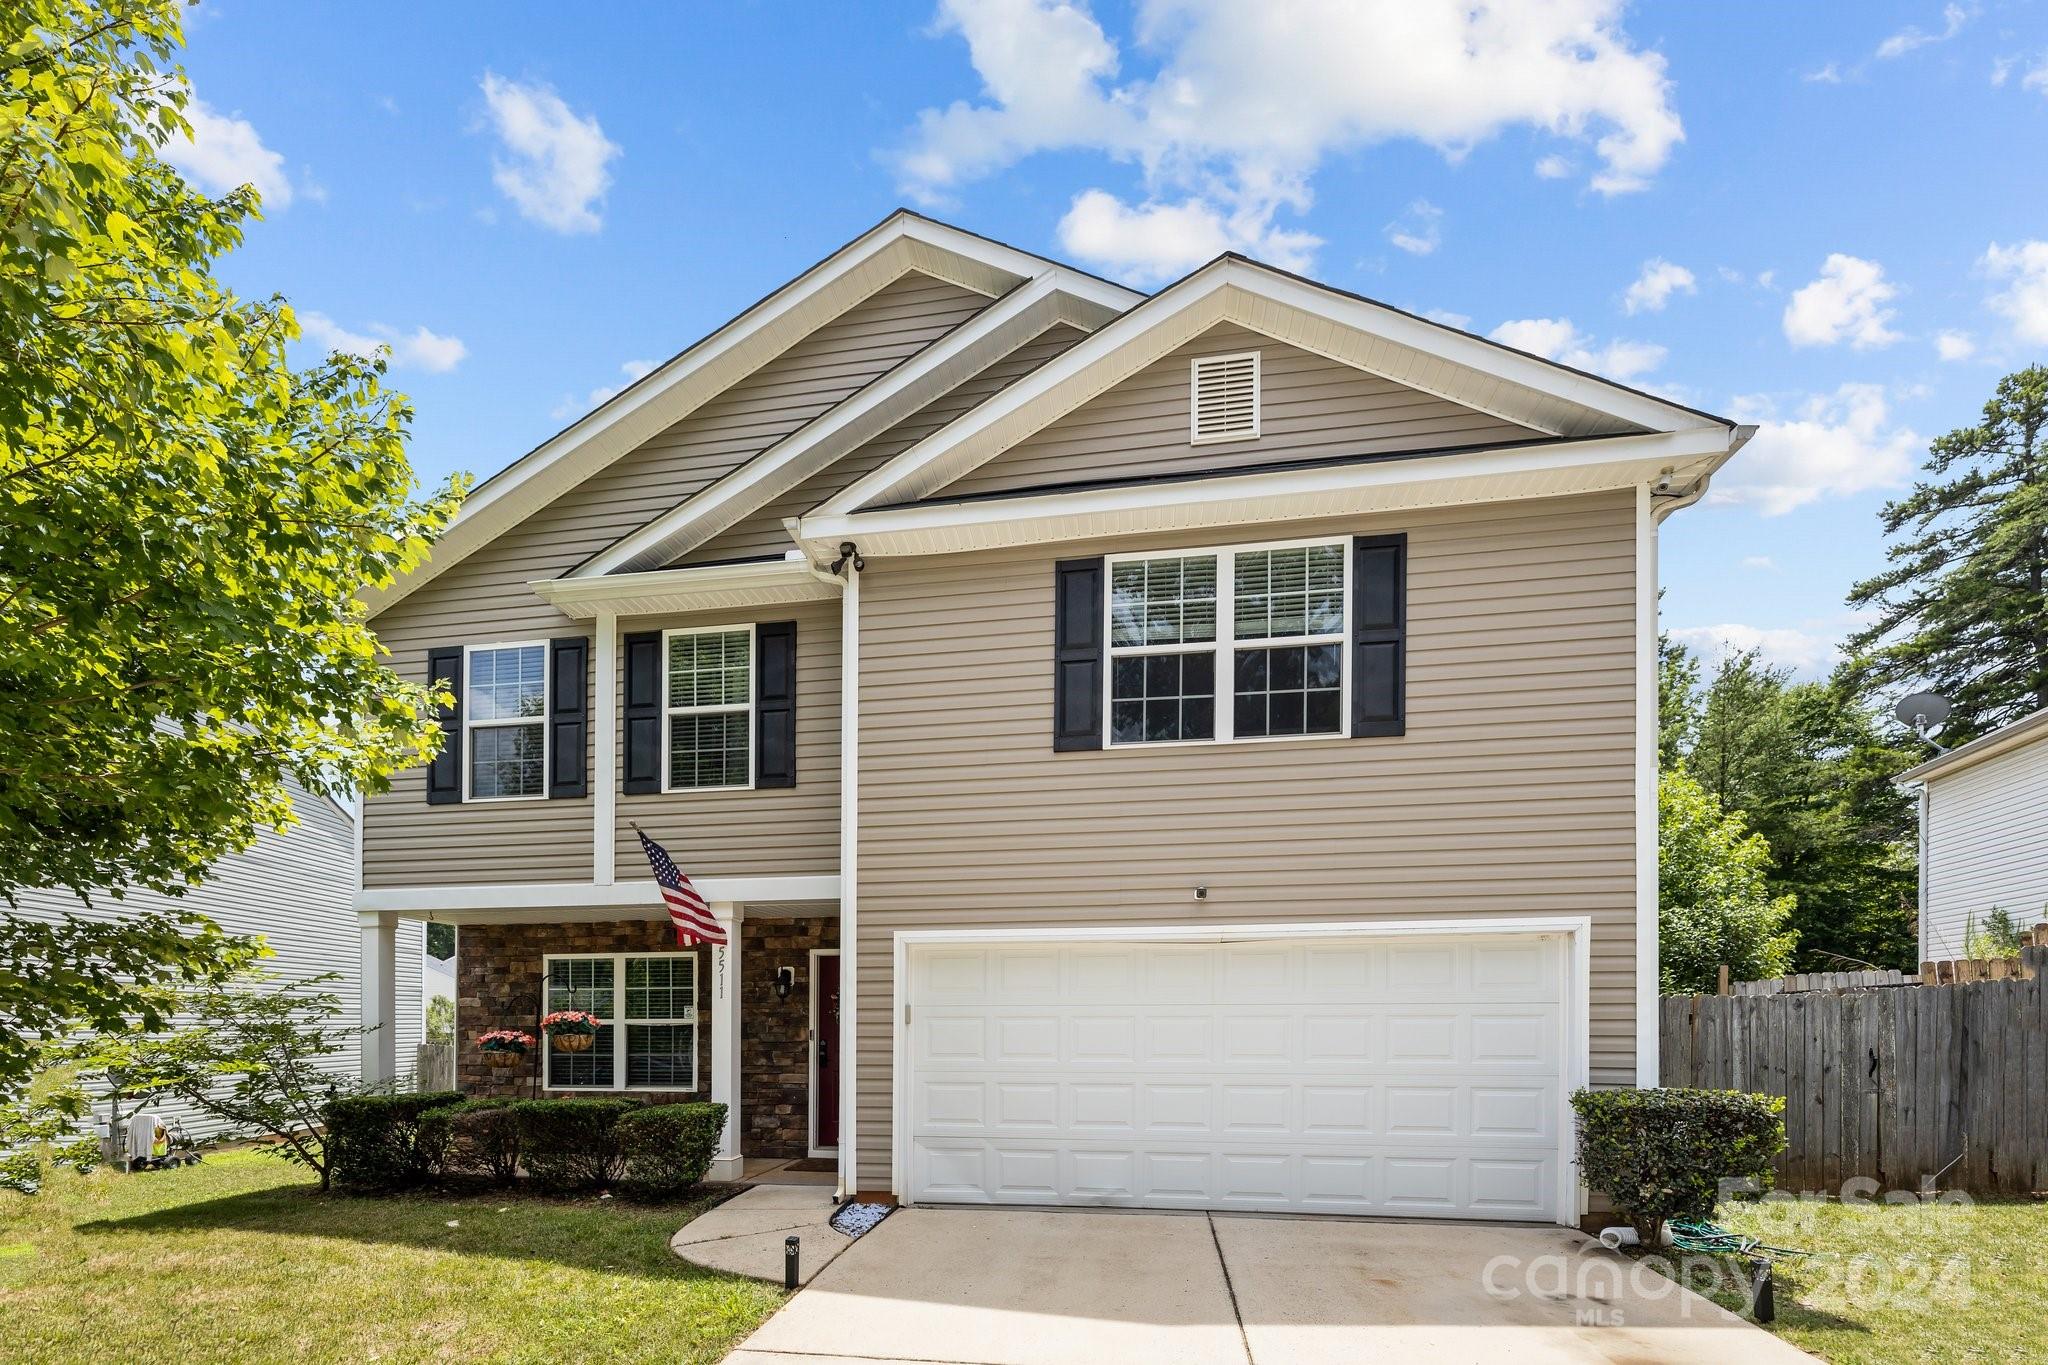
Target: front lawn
{"points": [[1906, 1283], [239, 1260]]}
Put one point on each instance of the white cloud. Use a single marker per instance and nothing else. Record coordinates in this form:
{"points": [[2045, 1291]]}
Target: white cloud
{"points": [[632, 370], [1831, 74], [1907, 39], [2036, 77], [1764, 562], [1557, 339], [1553, 167], [1846, 303], [1805, 652], [1655, 286], [1834, 446], [225, 153], [1954, 345], [419, 349], [1461, 321], [2024, 302], [1240, 104], [557, 168], [1420, 231], [1152, 242]]}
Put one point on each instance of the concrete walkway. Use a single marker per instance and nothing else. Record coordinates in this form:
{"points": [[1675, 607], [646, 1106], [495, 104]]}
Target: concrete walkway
{"points": [[744, 1235], [1020, 1287]]}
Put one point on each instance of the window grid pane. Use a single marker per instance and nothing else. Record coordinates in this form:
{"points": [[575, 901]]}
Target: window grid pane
{"points": [[660, 988], [592, 1070], [710, 669], [661, 1055], [1160, 697], [1163, 601], [709, 750], [581, 983], [506, 760], [1297, 591], [1289, 690], [506, 684]]}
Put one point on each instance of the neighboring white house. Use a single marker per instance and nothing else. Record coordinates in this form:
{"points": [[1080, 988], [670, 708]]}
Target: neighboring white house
{"points": [[297, 890], [1983, 834]]}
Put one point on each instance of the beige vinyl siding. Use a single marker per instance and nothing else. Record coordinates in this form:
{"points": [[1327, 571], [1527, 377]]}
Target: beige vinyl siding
{"points": [[780, 831], [1511, 794], [762, 532], [296, 888], [486, 599], [1311, 407]]}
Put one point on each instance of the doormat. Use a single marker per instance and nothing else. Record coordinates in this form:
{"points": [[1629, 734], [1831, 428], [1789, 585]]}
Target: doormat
{"points": [[824, 1165]]}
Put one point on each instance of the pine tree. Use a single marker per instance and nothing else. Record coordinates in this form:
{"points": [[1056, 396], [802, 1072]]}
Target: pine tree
{"points": [[1961, 609]]}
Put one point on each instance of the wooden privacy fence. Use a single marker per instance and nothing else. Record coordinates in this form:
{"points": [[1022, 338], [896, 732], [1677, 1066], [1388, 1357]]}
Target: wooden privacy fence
{"points": [[1900, 1084], [433, 1067]]}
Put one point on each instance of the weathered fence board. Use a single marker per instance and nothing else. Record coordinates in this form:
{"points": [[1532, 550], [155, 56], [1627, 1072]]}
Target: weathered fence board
{"points": [[1891, 1082]]}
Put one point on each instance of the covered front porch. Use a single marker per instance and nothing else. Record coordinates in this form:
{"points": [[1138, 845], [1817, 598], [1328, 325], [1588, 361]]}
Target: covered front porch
{"points": [[753, 1025]]}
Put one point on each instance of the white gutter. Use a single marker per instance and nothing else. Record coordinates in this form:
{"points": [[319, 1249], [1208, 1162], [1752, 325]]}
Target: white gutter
{"points": [[709, 587], [1648, 1065]]}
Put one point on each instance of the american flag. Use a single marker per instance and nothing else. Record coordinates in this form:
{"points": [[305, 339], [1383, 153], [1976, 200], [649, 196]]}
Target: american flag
{"points": [[686, 909]]}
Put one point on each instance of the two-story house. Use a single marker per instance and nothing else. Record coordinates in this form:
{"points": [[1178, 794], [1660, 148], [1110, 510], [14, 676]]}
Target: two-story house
{"points": [[1194, 750]]}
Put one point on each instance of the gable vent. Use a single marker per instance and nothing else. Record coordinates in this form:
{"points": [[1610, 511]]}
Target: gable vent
{"points": [[1225, 401]]}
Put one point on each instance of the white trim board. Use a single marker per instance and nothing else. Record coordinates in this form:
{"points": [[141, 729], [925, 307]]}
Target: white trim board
{"points": [[1450, 364], [447, 902], [899, 244], [1577, 1013], [708, 587], [1538, 470]]}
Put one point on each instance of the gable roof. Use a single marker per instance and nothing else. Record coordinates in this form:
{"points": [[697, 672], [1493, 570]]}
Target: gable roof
{"points": [[902, 242], [1485, 375]]}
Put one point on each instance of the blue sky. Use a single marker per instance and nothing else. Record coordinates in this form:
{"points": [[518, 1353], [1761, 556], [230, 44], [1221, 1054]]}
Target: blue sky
{"points": [[1830, 219]]}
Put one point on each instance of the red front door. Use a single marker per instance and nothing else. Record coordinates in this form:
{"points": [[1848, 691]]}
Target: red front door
{"points": [[825, 1033]]}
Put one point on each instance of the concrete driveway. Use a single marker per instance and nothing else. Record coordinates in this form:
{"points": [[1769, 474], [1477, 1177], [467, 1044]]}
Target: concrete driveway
{"points": [[1038, 1288]]}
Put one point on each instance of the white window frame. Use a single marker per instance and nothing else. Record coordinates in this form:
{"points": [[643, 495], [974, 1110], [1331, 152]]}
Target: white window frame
{"points": [[1226, 643], [618, 1021], [1195, 436], [470, 724], [669, 713]]}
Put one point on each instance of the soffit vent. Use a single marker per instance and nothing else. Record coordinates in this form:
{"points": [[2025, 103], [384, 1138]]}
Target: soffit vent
{"points": [[1225, 400]]}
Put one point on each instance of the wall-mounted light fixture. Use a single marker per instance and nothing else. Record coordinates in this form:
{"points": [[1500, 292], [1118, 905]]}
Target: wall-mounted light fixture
{"points": [[785, 982]]}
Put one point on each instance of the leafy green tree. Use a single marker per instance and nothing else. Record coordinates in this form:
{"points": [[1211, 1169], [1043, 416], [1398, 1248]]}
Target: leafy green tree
{"points": [[188, 518], [1961, 609], [41, 1125], [440, 941], [187, 522], [1715, 905], [1678, 679], [261, 1055], [440, 1019]]}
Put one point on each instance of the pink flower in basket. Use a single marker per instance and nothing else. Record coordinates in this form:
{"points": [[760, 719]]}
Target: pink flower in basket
{"points": [[505, 1040], [569, 1021]]}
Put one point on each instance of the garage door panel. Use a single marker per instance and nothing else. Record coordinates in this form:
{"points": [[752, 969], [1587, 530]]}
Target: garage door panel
{"points": [[1268, 1076]]}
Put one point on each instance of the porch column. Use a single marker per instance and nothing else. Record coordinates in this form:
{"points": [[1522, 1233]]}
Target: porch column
{"points": [[379, 996], [725, 1038]]}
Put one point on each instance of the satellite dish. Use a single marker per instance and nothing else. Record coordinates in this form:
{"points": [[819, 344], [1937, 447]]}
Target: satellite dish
{"points": [[1921, 712]]}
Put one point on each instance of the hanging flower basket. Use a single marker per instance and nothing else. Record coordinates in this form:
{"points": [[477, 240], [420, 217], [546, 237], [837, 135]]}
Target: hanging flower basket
{"points": [[570, 1030], [505, 1047]]}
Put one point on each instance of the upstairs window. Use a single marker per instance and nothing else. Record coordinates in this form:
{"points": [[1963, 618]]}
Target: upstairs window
{"points": [[710, 708], [505, 721], [1244, 643], [1224, 398]]}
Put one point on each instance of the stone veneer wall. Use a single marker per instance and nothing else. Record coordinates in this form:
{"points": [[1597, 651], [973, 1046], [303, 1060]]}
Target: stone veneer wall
{"points": [[775, 1054], [498, 985]]}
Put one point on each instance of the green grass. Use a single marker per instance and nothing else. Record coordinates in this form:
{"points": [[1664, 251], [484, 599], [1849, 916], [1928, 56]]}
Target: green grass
{"points": [[1906, 1282], [239, 1259]]}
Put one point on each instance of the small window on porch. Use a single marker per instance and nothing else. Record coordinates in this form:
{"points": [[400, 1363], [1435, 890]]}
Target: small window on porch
{"points": [[655, 1009]]}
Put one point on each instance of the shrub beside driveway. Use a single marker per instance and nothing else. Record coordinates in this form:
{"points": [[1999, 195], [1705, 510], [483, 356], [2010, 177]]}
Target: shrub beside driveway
{"points": [[237, 1260]]}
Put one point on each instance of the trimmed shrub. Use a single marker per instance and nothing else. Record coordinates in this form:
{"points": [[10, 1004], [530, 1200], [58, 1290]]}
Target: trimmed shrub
{"points": [[668, 1147], [571, 1144], [475, 1137], [373, 1141], [1661, 1154]]}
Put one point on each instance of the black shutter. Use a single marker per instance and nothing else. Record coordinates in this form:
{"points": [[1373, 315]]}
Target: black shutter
{"points": [[568, 716], [643, 712], [775, 704], [444, 774], [1379, 629], [1077, 654]]}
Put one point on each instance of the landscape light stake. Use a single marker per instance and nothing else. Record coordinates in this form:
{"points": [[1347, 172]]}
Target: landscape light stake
{"points": [[789, 1255], [1762, 1291]]}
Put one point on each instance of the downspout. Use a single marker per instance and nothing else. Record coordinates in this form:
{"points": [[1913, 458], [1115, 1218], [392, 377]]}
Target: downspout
{"points": [[849, 875]]}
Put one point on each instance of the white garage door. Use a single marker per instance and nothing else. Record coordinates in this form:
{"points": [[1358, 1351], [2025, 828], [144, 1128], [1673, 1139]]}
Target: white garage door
{"points": [[1371, 1075]]}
